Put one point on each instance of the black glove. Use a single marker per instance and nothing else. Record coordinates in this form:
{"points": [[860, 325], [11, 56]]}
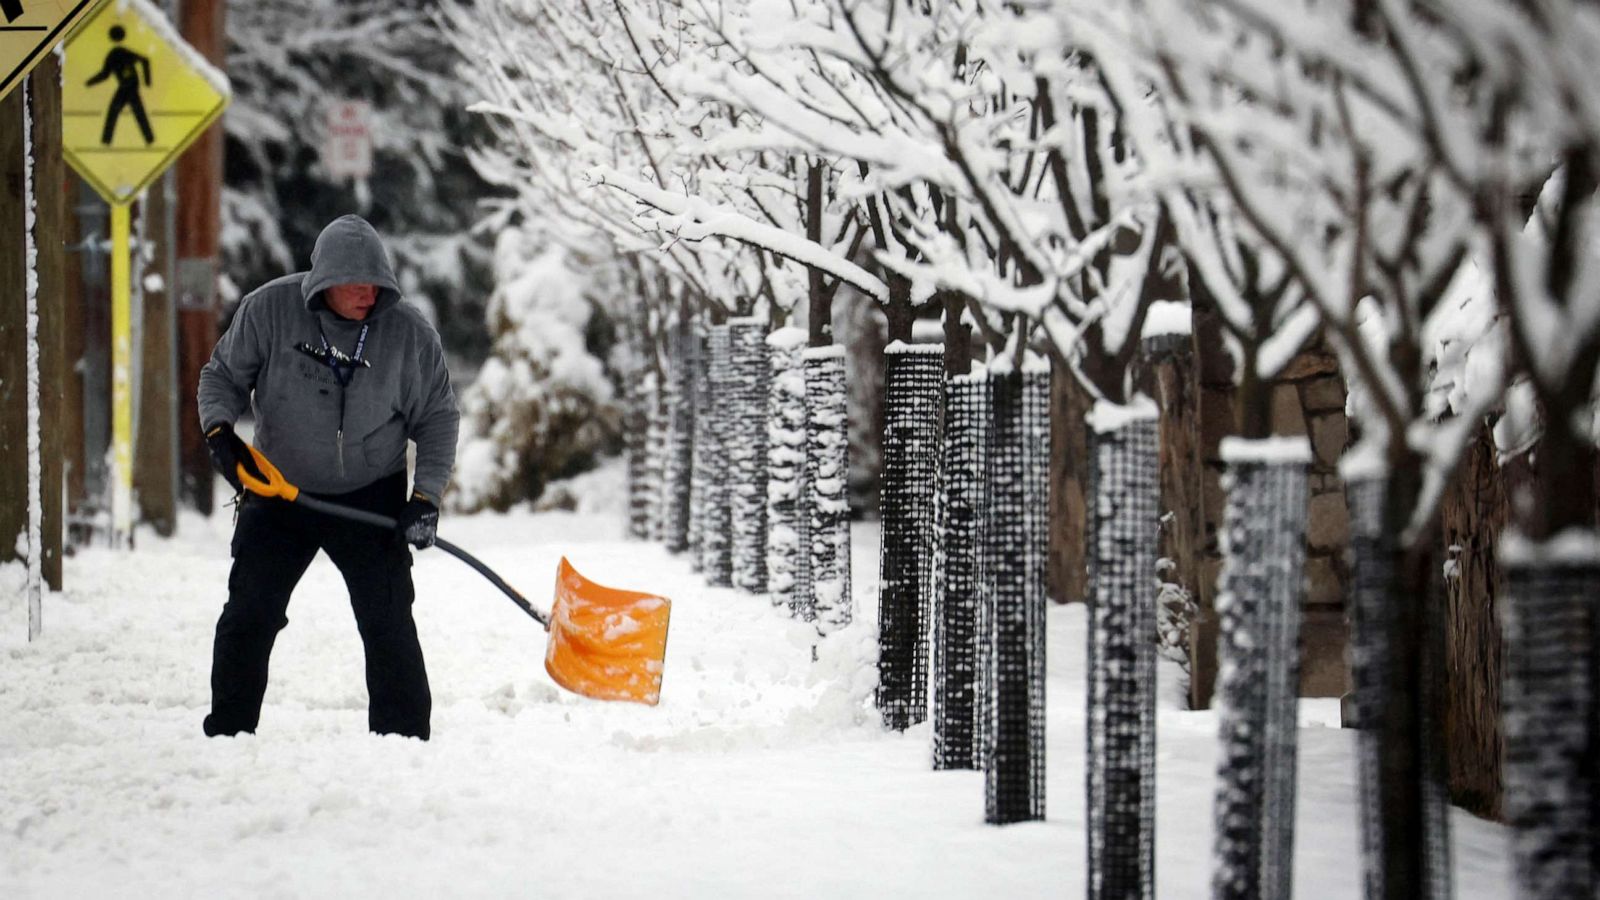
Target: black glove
{"points": [[419, 522], [228, 452]]}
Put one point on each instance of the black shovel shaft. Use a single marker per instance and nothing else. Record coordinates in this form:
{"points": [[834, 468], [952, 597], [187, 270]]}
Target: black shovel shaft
{"points": [[361, 515]]}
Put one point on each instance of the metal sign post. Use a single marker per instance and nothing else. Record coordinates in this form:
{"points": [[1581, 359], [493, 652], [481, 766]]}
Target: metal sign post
{"points": [[135, 96]]}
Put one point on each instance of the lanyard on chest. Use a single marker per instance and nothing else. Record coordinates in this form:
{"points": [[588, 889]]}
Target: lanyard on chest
{"points": [[344, 369]]}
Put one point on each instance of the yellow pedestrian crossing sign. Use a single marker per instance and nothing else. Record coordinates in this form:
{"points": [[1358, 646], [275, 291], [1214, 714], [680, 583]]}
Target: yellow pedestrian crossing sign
{"points": [[134, 95], [29, 29]]}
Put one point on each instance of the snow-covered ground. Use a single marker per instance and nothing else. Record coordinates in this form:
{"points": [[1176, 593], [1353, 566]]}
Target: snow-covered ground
{"points": [[761, 774]]}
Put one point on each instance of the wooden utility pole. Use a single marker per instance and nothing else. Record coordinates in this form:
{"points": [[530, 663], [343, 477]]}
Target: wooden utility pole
{"points": [[49, 210], [199, 230], [155, 458], [41, 165], [13, 324]]}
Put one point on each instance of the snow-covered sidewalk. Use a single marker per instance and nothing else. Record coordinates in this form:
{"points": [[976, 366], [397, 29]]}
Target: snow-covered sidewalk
{"points": [[759, 775]]}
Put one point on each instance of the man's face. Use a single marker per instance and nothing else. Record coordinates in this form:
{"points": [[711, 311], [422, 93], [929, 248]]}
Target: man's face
{"points": [[352, 301]]}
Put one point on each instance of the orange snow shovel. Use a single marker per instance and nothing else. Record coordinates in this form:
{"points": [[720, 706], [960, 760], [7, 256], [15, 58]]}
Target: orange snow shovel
{"points": [[604, 643]]}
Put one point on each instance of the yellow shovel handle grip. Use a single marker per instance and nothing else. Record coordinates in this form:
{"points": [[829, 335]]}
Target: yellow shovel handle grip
{"points": [[275, 485]]}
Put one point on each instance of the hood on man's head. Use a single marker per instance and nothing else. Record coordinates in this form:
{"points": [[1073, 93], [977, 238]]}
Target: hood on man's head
{"points": [[349, 251]]}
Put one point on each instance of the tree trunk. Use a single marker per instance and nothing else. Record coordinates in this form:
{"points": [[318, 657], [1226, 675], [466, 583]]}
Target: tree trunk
{"points": [[820, 311], [957, 334]]}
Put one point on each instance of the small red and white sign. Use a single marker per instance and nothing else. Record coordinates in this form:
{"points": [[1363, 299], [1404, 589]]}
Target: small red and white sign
{"points": [[348, 152]]}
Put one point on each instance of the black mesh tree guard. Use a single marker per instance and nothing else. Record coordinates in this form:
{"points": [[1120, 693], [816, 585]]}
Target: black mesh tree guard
{"points": [[702, 457], [716, 535], [1036, 551], [747, 452], [658, 451], [957, 729], [913, 388], [636, 425], [680, 440], [1121, 710], [827, 477], [1549, 699], [1373, 550], [1258, 605], [788, 509], [1014, 553]]}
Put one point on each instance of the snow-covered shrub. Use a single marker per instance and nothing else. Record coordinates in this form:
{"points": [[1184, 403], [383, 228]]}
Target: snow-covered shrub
{"points": [[1175, 612], [542, 404]]}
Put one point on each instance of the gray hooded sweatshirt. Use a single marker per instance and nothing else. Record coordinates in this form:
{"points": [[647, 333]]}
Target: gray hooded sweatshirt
{"points": [[326, 437]]}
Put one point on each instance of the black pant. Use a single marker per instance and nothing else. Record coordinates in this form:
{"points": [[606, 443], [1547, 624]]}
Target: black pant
{"points": [[273, 543]]}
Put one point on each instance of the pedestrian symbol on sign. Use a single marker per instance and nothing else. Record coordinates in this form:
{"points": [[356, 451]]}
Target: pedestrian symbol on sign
{"points": [[125, 65]]}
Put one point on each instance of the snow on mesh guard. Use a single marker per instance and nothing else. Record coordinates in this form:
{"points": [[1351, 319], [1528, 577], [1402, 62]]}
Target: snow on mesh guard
{"points": [[1121, 709], [967, 429], [788, 507], [828, 475], [1014, 552], [912, 392], [703, 462], [1549, 701], [747, 452], [657, 450], [1258, 605], [637, 426], [680, 439], [1372, 621], [716, 539]]}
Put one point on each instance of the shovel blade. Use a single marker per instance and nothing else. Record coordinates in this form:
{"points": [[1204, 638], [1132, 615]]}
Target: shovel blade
{"points": [[606, 643]]}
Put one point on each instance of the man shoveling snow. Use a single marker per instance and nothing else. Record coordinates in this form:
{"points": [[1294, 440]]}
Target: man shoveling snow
{"points": [[340, 374]]}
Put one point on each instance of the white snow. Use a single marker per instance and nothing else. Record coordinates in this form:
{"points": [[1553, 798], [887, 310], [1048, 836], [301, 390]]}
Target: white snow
{"points": [[787, 338], [157, 21], [895, 348], [831, 351], [761, 774], [1280, 449], [1107, 417], [1573, 546], [1168, 317]]}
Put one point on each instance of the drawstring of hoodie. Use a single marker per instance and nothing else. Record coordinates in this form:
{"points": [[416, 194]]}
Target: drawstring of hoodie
{"points": [[344, 370]]}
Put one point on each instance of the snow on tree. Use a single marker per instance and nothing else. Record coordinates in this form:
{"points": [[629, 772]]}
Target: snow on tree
{"points": [[288, 60], [788, 513]]}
